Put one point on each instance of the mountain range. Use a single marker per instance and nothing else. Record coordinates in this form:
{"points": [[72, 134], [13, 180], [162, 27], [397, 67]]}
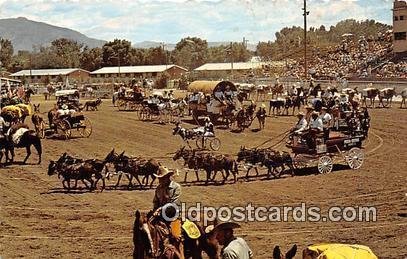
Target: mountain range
{"points": [[24, 34]]}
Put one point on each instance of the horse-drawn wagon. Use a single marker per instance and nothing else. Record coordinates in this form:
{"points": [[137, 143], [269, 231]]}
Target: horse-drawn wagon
{"points": [[338, 145], [130, 101], [69, 98], [65, 126], [214, 99]]}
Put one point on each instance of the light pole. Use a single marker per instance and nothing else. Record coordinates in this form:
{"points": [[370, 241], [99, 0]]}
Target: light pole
{"points": [[229, 51], [165, 52], [306, 13]]}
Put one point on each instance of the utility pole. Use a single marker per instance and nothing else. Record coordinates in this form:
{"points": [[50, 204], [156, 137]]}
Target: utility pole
{"points": [[166, 59], [231, 60], [30, 68], [245, 42], [306, 13]]}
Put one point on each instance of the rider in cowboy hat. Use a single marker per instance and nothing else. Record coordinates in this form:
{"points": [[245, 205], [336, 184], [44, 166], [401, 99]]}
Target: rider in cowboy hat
{"points": [[167, 191], [166, 203], [233, 247]]}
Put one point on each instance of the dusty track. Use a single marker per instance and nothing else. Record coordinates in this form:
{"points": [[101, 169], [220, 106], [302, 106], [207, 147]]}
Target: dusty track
{"points": [[38, 219]]}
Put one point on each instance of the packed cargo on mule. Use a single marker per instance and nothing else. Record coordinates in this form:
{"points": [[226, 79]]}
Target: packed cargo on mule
{"points": [[214, 99]]}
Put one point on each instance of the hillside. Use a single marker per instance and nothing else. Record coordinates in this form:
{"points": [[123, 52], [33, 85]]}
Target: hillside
{"points": [[24, 34]]}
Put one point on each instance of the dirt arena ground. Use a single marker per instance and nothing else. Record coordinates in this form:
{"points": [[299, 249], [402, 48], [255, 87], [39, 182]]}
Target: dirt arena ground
{"points": [[39, 220]]}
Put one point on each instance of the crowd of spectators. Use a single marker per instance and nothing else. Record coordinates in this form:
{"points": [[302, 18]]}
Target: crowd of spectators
{"points": [[365, 57]]}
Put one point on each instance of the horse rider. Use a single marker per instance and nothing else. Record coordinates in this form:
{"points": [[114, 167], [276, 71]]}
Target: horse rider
{"points": [[327, 121], [171, 95], [122, 91], [166, 202], [233, 247], [261, 116]]}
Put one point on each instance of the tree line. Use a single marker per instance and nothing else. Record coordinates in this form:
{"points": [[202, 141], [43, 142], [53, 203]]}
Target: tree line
{"points": [[189, 52]]}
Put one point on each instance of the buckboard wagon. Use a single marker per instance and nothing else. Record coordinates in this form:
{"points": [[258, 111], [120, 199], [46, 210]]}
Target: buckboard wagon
{"points": [[66, 126], [339, 145]]}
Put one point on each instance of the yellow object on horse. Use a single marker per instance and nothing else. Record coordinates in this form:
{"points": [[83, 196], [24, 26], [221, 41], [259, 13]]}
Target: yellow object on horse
{"points": [[26, 108], [338, 251], [191, 229], [176, 228], [13, 109]]}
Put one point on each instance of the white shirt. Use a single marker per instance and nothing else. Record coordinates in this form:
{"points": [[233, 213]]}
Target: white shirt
{"points": [[237, 249], [301, 125], [326, 119], [317, 124]]}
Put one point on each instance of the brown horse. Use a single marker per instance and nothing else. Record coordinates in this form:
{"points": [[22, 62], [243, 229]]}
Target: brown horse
{"points": [[277, 90], [38, 121], [152, 239], [369, 93], [386, 97], [289, 255], [262, 91], [27, 139]]}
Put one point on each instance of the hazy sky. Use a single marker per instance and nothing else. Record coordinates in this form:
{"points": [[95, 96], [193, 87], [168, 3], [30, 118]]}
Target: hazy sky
{"points": [[171, 20]]}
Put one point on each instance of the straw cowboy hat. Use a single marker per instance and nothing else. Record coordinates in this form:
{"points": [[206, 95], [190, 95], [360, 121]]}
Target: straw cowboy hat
{"points": [[164, 171], [221, 226]]}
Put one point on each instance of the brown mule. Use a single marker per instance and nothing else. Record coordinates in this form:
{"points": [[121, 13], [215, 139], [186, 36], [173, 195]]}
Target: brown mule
{"points": [[289, 255]]}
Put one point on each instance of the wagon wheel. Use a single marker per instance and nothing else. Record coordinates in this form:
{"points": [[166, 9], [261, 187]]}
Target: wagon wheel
{"points": [[199, 144], [299, 162], [41, 130], [121, 104], [142, 114], [325, 164], [355, 158], [154, 115], [85, 128], [215, 144], [175, 112], [64, 129]]}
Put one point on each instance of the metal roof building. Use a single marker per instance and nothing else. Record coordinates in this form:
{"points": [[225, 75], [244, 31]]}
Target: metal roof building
{"points": [[136, 69], [237, 66], [47, 72], [44, 76]]}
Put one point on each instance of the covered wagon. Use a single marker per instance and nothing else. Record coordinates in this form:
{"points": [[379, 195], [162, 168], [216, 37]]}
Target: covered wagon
{"points": [[212, 98]]}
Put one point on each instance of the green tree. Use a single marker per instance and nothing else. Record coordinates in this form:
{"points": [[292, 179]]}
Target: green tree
{"points": [[91, 59], [116, 52], [264, 50], [67, 52], [156, 56], [6, 52], [190, 52]]}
